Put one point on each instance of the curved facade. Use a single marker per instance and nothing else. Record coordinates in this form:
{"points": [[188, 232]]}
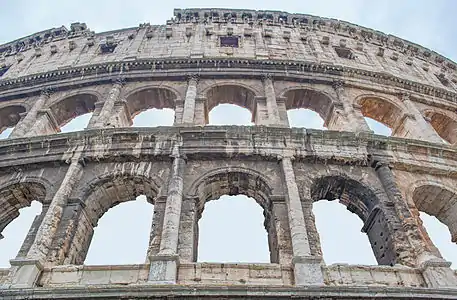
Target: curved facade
{"points": [[268, 63]]}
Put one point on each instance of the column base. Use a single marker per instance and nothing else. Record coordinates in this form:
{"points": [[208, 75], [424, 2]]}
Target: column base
{"points": [[163, 269], [25, 272], [308, 270], [438, 274]]}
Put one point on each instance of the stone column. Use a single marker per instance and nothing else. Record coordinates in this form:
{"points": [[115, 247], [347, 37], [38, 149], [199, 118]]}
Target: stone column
{"points": [[345, 115], [164, 265], [26, 124], [436, 271], [413, 124], [307, 269], [188, 232], [156, 226], [189, 101], [270, 97], [28, 270], [103, 118]]}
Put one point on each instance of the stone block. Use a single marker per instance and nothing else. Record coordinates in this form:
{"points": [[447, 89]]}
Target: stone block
{"points": [[308, 271], [163, 269]]}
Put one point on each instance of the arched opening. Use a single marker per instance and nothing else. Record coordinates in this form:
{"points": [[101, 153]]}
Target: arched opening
{"points": [[305, 118], [152, 107], [363, 202], [99, 197], [13, 199], [16, 231], [336, 226], [127, 241], [438, 204], [445, 126], [230, 114], [307, 108], [441, 237], [378, 127], [380, 114], [223, 240], [9, 117], [230, 105], [73, 113], [235, 193]]}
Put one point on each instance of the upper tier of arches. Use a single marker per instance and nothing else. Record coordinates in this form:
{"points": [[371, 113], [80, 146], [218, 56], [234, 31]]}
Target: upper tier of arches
{"points": [[341, 107], [258, 36]]}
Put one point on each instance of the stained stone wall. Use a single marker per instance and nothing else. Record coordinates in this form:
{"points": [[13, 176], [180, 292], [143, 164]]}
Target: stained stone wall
{"points": [[268, 63]]}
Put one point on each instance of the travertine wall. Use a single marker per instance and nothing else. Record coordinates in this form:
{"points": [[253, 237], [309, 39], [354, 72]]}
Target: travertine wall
{"points": [[273, 62]]}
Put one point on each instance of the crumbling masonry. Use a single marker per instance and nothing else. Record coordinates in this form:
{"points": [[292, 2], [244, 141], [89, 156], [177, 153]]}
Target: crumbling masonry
{"points": [[267, 62]]}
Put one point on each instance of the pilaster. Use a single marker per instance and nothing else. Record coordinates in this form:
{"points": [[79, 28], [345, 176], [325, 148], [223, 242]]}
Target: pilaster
{"points": [[408, 238], [106, 114], [189, 102], [413, 124], [27, 123], [45, 124], [345, 116], [307, 269], [48, 227], [270, 97], [164, 265]]}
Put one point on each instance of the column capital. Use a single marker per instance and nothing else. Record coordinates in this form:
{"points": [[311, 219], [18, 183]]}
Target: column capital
{"points": [[338, 85], [266, 76], [46, 91], [404, 96], [193, 78], [119, 80]]}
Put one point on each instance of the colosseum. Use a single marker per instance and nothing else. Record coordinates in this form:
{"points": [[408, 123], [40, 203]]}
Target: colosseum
{"points": [[267, 62]]}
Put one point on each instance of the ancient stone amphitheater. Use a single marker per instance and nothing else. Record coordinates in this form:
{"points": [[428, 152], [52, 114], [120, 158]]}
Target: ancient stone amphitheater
{"points": [[267, 62]]}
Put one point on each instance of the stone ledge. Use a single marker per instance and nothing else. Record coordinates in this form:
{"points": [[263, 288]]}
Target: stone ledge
{"points": [[147, 291]]}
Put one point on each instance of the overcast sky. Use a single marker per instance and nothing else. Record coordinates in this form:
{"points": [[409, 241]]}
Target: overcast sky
{"points": [[231, 228]]}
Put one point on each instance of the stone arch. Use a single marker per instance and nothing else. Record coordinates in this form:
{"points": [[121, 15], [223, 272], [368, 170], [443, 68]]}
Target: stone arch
{"points": [[308, 98], [365, 203], [147, 97], [73, 105], [236, 181], [197, 189], [97, 197], [444, 124], [230, 93], [20, 193], [381, 109], [10, 115], [438, 200]]}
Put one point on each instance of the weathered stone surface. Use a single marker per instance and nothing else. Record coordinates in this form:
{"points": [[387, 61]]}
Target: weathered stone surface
{"points": [[268, 63]]}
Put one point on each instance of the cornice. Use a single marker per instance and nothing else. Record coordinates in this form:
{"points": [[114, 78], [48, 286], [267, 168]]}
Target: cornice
{"points": [[165, 67], [200, 291], [224, 142]]}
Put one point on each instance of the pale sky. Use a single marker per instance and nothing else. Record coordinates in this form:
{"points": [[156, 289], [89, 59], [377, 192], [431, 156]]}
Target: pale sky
{"points": [[428, 23]]}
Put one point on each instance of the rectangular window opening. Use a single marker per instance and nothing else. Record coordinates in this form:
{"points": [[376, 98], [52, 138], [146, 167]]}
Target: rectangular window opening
{"points": [[229, 41]]}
